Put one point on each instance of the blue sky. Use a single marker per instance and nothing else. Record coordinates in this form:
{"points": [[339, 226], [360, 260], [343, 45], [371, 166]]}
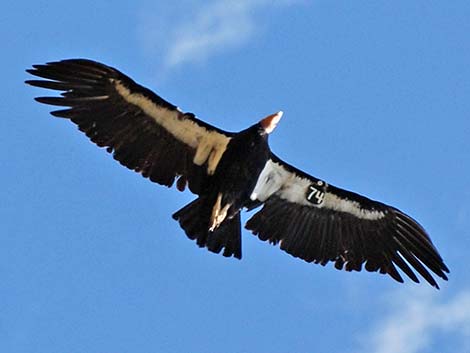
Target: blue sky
{"points": [[376, 100]]}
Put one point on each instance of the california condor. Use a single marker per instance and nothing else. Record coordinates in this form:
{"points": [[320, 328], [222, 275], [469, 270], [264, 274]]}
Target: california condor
{"points": [[306, 216]]}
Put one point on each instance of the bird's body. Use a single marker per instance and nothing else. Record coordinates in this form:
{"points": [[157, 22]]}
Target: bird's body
{"points": [[228, 172], [228, 190], [240, 166]]}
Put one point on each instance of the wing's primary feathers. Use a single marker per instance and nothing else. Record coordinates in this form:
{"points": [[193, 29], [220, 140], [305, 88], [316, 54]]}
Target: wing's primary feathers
{"points": [[320, 223], [143, 131]]}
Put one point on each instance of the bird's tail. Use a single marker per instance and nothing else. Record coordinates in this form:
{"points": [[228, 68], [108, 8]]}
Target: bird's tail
{"points": [[194, 219]]}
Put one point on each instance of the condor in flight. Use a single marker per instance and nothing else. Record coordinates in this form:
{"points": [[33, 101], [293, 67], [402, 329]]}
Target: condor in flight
{"points": [[308, 218]]}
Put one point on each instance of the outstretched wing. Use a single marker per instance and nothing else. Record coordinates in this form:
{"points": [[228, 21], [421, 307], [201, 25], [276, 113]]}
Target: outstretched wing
{"points": [[142, 131], [318, 223]]}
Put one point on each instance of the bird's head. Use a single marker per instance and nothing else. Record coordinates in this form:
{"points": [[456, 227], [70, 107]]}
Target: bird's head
{"points": [[269, 123]]}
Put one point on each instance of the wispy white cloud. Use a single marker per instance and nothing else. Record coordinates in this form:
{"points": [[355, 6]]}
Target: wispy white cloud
{"points": [[415, 320], [197, 31]]}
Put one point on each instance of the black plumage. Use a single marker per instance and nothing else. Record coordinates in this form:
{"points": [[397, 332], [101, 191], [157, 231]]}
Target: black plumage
{"points": [[305, 216]]}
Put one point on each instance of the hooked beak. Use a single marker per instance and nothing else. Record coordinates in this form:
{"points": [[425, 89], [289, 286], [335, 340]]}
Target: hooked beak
{"points": [[270, 122]]}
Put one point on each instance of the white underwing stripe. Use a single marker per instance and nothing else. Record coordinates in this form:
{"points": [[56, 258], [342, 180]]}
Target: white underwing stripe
{"points": [[275, 179], [202, 152], [352, 207], [209, 145], [269, 181]]}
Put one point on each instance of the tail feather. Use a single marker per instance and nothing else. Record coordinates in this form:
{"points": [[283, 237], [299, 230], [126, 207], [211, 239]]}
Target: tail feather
{"points": [[227, 236], [194, 219]]}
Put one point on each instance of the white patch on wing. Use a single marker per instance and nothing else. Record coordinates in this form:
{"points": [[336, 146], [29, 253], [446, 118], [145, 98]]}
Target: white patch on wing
{"points": [[274, 178], [293, 188], [208, 144], [269, 181], [202, 152], [352, 207]]}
